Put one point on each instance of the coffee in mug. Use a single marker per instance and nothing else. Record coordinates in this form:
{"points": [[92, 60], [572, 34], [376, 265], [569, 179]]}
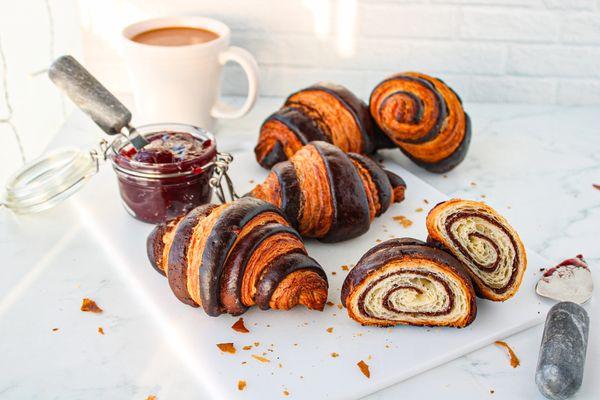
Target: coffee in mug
{"points": [[175, 67], [175, 36]]}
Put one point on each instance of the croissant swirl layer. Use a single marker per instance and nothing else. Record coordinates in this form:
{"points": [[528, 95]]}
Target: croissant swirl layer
{"points": [[325, 112], [405, 281], [229, 257], [484, 242], [328, 194], [424, 117]]}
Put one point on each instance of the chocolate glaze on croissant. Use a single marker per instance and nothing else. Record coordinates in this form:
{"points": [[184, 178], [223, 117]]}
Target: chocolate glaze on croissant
{"points": [[484, 242], [325, 112], [405, 281], [424, 117], [229, 257], [328, 194]]}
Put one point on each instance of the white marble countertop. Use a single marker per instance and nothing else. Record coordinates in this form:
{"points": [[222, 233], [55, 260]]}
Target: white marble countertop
{"points": [[535, 164]]}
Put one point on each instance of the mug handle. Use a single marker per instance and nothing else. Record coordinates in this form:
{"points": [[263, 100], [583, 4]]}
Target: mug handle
{"points": [[250, 67]]}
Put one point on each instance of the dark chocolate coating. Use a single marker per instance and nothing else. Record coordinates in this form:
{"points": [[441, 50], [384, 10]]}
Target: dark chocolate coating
{"points": [[453, 159], [382, 141], [358, 108], [395, 249], [275, 155], [379, 177], [177, 260], [305, 128], [278, 270], [235, 267], [291, 195], [434, 243], [351, 216], [301, 124], [395, 180], [155, 246], [441, 104], [219, 243]]}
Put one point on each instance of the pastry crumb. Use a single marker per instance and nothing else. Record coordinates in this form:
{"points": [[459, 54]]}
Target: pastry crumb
{"points": [[329, 330], [420, 209], [596, 186], [425, 201], [402, 220], [256, 344], [340, 306], [345, 268], [378, 240], [261, 359], [151, 397], [333, 273], [492, 391], [241, 385], [334, 355], [101, 330], [54, 329], [330, 303], [89, 305], [473, 184], [514, 360], [239, 326], [364, 368], [286, 393], [226, 347]]}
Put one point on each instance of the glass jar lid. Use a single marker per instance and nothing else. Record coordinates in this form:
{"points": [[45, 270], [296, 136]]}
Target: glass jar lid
{"points": [[48, 180]]}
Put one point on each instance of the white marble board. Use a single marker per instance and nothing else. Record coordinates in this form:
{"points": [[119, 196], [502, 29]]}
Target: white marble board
{"points": [[297, 342]]}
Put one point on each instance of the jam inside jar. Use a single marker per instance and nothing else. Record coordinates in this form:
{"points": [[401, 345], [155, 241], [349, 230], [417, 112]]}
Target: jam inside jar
{"points": [[167, 177]]}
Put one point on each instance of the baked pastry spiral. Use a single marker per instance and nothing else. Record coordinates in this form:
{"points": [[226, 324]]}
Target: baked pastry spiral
{"points": [[324, 111], [229, 257], [405, 281], [424, 117], [328, 194], [484, 242]]}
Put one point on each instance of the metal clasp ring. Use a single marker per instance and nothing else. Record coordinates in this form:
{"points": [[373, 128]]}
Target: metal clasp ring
{"points": [[221, 163]]}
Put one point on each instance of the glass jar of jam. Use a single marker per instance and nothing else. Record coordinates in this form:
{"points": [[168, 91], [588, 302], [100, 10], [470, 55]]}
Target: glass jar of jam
{"points": [[168, 176]]}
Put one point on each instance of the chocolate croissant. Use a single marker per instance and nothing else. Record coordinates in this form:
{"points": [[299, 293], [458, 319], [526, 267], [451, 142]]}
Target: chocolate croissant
{"points": [[405, 281], [229, 257], [424, 117], [484, 242], [328, 194], [325, 112]]}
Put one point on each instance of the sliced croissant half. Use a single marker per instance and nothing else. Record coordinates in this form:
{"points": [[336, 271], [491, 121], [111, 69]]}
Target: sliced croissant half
{"points": [[405, 281]]}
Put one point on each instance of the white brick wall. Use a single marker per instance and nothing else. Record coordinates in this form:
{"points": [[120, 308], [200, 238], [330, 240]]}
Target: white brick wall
{"points": [[534, 51], [521, 51]]}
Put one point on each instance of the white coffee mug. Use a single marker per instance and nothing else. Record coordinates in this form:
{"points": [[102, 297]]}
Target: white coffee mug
{"points": [[182, 83]]}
